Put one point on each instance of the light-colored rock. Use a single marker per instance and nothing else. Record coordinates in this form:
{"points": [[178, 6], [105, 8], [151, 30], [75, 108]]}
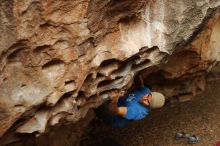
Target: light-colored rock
{"points": [[59, 57]]}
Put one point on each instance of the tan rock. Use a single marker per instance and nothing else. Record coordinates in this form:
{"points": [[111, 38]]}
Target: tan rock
{"points": [[57, 56]]}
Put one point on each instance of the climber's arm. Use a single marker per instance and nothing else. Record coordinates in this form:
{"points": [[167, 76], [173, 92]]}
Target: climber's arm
{"points": [[121, 111], [113, 105]]}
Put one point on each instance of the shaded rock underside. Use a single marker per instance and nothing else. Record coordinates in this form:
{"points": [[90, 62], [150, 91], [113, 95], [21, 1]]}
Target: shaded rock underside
{"points": [[60, 58]]}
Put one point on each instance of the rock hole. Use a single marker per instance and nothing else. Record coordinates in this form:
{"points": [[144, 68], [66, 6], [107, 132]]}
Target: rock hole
{"points": [[126, 19], [52, 63], [99, 75], [136, 59], [103, 83], [23, 85], [69, 82], [70, 86], [150, 50], [54, 69], [108, 62], [89, 78], [19, 105], [146, 62], [14, 56], [81, 94], [107, 82], [46, 24], [66, 95], [41, 48], [5, 79]]}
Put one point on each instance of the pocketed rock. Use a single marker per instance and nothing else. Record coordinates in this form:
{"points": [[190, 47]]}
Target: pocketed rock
{"points": [[57, 54]]}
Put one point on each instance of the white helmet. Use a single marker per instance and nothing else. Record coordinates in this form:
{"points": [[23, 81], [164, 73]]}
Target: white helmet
{"points": [[157, 100]]}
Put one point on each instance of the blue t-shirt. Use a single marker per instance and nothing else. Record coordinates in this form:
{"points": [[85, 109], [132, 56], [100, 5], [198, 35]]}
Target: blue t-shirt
{"points": [[135, 110]]}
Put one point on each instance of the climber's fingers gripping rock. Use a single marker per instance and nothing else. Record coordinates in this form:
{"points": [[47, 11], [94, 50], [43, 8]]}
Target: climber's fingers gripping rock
{"points": [[115, 95]]}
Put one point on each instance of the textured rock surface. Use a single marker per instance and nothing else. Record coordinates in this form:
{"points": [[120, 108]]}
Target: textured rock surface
{"points": [[57, 56]]}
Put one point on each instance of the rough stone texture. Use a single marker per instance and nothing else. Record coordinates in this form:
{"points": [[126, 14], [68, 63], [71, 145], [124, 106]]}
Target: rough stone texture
{"points": [[184, 73], [58, 58], [59, 135]]}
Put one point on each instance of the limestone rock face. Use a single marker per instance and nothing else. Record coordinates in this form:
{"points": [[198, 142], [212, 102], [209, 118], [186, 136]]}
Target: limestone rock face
{"points": [[60, 58]]}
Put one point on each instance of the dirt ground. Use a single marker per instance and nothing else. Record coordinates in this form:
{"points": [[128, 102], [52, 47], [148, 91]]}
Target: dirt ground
{"points": [[200, 116]]}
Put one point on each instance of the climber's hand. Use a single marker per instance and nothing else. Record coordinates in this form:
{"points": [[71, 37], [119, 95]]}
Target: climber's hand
{"points": [[114, 95], [121, 93]]}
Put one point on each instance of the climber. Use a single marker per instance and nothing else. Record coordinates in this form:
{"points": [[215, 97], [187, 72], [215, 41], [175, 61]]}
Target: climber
{"points": [[135, 106]]}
